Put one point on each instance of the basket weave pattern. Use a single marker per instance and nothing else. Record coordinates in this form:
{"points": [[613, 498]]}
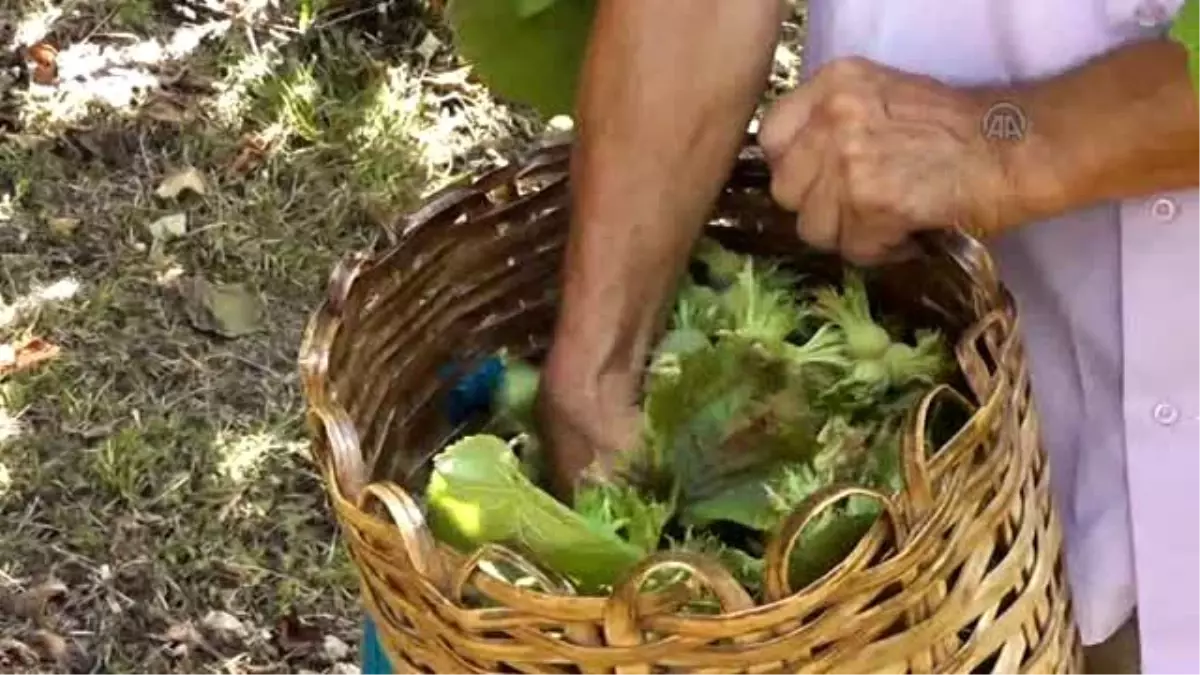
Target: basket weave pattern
{"points": [[963, 574]]}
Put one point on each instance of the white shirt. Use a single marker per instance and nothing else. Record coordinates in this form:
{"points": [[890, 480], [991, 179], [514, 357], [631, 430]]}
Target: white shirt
{"points": [[1109, 299]]}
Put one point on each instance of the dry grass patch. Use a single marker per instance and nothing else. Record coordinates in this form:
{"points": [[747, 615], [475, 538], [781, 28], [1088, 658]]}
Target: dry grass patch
{"points": [[170, 208]]}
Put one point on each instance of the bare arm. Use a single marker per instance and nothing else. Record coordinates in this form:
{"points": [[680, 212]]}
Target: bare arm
{"points": [[869, 154], [667, 91], [1124, 125]]}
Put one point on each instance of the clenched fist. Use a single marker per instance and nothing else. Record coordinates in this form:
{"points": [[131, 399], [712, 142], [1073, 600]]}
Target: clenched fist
{"points": [[868, 155]]}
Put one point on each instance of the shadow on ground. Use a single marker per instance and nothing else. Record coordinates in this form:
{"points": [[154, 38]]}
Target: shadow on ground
{"points": [[161, 513], [160, 510]]}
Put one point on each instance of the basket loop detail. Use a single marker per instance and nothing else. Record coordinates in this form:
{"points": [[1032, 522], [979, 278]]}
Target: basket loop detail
{"points": [[622, 626], [782, 544], [418, 543]]}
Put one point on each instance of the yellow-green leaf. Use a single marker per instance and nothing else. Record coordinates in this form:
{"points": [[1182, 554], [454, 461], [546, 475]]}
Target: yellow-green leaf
{"points": [[531, 58], [527, 8], [1186, 31]]}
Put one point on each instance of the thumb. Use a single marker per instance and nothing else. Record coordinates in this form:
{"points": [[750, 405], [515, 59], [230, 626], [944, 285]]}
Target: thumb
{"points": [[784, 120]]}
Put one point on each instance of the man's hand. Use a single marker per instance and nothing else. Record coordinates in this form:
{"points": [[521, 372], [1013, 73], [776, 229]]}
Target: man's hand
{"points": [[667, 91], [582, 425], [868, 155]]}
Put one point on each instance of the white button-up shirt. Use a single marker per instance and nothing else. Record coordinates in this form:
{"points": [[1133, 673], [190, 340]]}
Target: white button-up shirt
{"points": [[1110, 304]]}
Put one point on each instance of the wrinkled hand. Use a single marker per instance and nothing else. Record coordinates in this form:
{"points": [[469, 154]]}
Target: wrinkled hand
{"points": [[584, 417], [867, 155]]}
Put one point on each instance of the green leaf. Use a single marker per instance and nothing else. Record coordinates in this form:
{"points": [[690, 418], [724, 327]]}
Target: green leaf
{"points": [[748, 504], [622, 509], [517, 394], [747, 569], [1186, 31], [530, 51], [828, 540], [1186, 27], [527, 8], [681, 341], [723, 264], [228, 310], [719, 415], [477, 495]]}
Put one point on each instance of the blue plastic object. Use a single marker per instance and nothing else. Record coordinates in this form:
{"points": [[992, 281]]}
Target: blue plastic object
{"points": [[471, 395], [374, 661]]}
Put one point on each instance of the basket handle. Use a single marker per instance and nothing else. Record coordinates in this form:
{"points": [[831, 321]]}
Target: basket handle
{"points": [[914, 445], [971, 258], [777, 581], [622, 625], [419, 545]]}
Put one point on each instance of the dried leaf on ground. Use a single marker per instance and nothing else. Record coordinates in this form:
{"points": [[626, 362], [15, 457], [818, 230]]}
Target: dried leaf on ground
{"points": [[429, 47], [224, 627], [182, 637], [334, 649], [252, 149], [44, 57], [294, 633], [63, 227], [165, 109], [169, 227], [186, 179], [14, 651], [184, 632], [52, 646], [16, 358], [32, 603], [228, 310]]}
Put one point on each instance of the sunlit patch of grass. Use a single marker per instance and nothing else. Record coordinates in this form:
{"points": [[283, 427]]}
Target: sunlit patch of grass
{"points": [[12, 196], [117, 76], [10, 429], [133, 14], [381, 149], [295, 97], [35, 19], [164, 471], [36, 299], [241, 456], [337, 112]]}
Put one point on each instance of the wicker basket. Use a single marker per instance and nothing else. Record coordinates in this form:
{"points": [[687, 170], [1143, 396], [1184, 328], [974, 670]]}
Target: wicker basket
{"points": [[964, 574]]}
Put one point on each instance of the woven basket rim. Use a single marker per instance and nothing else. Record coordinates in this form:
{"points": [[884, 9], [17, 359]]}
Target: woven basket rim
{"points": [[914, 520]]}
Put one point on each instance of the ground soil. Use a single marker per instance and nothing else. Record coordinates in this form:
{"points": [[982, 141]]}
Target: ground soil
{"points": [[176, 184]]}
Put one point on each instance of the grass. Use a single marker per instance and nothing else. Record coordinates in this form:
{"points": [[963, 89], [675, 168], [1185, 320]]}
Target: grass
{"points": [[161, 512]]}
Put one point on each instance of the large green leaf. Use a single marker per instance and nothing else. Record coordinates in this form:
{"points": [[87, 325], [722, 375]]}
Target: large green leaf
{"points": [[1186, 31], [527, 8], [529, 51], [1186, 27], [478, 495]]}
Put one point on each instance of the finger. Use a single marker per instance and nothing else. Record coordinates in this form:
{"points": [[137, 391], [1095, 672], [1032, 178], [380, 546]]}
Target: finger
{"points": [[876, 255], [785, 119], [870, 239], [863, 252], [903, 252], [795, 171], [820, 216]]}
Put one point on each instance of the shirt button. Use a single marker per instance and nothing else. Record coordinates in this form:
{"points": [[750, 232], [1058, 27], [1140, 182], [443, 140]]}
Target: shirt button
{"points": [[1164, 209], [1166, 414]]}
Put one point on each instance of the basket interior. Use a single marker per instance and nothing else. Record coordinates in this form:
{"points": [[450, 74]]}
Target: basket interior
{"points": [[476, 270], [483, 275]]}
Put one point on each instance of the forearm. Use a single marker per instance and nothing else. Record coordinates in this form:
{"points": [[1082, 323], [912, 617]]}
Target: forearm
{"points": [[667, 92], [1122, 126]]}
